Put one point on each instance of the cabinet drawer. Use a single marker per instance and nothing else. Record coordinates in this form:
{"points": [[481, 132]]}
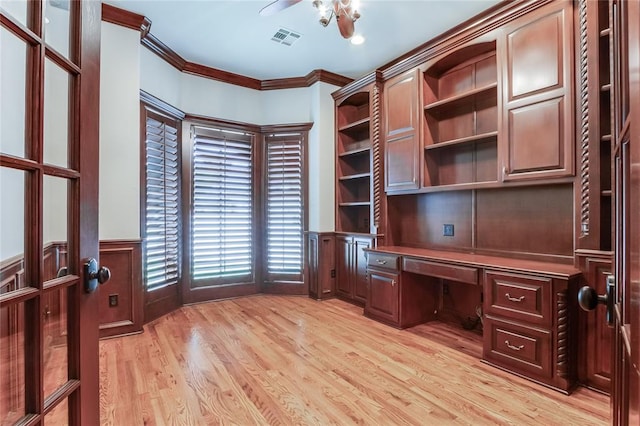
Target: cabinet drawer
{"points": [[441, 270], [521, 349], [382, 260], [522, 297]]}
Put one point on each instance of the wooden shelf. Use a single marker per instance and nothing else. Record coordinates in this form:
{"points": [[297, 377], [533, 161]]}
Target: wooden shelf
{"points": [[354, 152], [605, 87], [489, 91], [606, 193], [356, 126], [356, 204], [605, 138], [355, 176], [460, 141], [605, 33]]}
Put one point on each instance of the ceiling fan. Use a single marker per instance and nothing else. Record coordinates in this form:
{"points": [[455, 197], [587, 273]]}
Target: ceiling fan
{"points": [[345, 11]]}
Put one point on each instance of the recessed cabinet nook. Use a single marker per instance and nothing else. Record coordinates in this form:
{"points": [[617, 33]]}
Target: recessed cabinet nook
{"points": [[460, 188]]}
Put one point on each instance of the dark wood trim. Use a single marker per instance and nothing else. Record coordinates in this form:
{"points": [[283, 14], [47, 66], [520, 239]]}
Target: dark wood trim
{"points": [[162, 106], [141, 23], [227, 124], [484, 22], [152, 43], [357, 85], [275, 128], [220, 75], [125, 18]]}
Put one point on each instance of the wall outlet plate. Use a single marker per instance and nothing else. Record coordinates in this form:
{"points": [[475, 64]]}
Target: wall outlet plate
{"points": [[113, 300], [447, 230]]}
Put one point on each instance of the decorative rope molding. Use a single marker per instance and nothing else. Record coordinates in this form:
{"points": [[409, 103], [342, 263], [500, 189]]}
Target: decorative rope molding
{"points": [[375, 139], [563, 334], [584, 123]]}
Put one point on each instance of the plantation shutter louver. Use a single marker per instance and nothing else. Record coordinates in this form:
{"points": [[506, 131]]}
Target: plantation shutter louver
{"points": [[222, 206], [162, 206], [284, 204]]}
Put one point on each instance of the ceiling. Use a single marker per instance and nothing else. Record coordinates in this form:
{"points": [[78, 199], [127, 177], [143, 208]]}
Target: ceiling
{"points": [[232, 36]]}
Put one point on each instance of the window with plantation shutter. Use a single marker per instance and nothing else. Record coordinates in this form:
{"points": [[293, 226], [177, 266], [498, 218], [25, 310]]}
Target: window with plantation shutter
{"points": [[162, 202], [284, 206], [222, 198]]}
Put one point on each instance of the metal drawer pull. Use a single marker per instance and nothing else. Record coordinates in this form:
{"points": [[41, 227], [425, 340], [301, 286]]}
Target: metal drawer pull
{"points": [[381, 262], [515, 348], [514, 299], [393, 283]]}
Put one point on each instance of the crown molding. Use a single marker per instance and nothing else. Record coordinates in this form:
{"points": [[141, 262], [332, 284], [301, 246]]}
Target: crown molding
{"points": [[141, 23], [126, 19], [357, 85], [157, 103]]}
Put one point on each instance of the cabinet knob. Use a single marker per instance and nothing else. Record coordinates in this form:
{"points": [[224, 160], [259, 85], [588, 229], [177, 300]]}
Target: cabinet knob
{"points": [[393, 283]]}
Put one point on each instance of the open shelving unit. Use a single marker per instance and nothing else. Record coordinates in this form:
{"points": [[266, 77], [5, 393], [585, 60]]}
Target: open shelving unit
{"points": [[604, 76], [353, 164], [460, 94]]}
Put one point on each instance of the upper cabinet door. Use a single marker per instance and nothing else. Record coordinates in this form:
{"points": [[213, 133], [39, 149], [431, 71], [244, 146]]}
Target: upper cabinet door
{"points": [[401, 130], [537, 96]]}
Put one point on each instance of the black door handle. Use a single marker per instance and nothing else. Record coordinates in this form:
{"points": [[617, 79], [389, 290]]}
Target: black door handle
{"points": [[588, 299], [94, 275]]}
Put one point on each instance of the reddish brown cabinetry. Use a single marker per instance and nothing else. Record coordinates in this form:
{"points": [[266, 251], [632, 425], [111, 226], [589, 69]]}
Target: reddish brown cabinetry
{"points": [[402, 132], [351, 266], [320, 263], [528, 323], [537, 101]]}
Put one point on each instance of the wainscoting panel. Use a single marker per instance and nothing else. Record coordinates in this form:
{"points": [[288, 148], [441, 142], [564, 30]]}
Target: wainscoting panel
{"points": [[121, 298]]}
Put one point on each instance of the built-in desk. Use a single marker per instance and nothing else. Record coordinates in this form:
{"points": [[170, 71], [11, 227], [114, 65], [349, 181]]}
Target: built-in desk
{"points": [[529, 309]]}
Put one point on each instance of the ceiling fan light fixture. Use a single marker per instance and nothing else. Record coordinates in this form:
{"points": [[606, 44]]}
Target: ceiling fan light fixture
{"points": [[357, 39]]}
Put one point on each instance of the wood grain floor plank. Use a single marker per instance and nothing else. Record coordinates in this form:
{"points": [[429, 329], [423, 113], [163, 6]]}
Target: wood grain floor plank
{"points": [[283, 360]]}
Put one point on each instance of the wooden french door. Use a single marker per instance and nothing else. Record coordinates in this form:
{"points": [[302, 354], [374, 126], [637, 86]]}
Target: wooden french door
{"points": [[626, 167], [49, 103]]}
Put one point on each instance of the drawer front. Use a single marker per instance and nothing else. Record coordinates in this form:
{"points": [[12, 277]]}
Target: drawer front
{"points": [[441, 270], [521, 349], [522, 297], [382, 260]]}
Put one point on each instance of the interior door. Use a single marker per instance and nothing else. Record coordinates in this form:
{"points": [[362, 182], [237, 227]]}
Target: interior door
{"points": [[626, 163], [49, 103]]}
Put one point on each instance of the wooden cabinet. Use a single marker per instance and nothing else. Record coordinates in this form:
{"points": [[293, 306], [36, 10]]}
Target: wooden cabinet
{"points": [[461, 117], [351, 266], [383, 302], [321, 265], [528, 326], [537, 96], [402, 132]]}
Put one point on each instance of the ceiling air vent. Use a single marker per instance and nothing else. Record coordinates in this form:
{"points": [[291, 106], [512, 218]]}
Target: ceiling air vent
{"points": [[286, 37]]}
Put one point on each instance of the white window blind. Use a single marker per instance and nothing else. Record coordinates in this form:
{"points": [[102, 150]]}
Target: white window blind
{"points": [[284, 205], [162, 218], [222, 205]]}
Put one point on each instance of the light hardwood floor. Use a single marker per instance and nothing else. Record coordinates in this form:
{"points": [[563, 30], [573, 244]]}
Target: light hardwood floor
{"points": [[292, 360]]}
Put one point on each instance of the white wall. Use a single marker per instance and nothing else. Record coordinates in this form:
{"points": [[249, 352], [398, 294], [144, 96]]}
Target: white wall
{"points": [[322, 160], [158, 77], [119, 133]]}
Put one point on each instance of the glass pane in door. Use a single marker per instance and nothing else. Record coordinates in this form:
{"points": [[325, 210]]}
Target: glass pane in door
{"points": [[54, 226], [12, 362], [56, 114], [17, 9], [13, 57], [57, 25], [59, 416], [55, 353], [12, 211]]}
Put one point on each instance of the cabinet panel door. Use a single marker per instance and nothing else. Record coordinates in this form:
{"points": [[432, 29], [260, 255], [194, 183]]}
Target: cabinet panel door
{"points": [[537, 95], [383, 299], [360, 267], [401, 117], [343, 266]]}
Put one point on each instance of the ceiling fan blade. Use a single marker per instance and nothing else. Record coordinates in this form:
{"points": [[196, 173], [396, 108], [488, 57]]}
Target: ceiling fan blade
{"points": [[277, 6], [345, 23]]}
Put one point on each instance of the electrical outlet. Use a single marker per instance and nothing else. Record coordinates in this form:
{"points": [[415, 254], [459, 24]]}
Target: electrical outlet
{"points": [[113, 300], [447, 230], [445, 288], [333, 273]]}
